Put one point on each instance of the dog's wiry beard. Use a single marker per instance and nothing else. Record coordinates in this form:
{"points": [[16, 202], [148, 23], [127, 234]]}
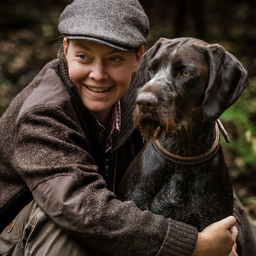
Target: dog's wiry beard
{"points": [[152, 128]]}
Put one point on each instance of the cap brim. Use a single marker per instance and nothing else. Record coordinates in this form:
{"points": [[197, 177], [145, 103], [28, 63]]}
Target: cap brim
{"points": [[99, 41]]}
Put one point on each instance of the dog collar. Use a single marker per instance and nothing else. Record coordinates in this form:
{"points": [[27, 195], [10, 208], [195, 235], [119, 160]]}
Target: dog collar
{"points": [[190, 159]]}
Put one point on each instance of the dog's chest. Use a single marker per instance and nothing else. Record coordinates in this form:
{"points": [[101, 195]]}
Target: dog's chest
{"points": [[190, 194], [171, 191]]}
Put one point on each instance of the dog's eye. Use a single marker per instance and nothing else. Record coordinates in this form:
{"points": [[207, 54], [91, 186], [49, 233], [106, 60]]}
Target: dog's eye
{"points": [[185, 73], [151, 70]]}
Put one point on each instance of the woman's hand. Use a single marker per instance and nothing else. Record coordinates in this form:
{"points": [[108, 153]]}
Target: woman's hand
{"points": [[218, 239]]}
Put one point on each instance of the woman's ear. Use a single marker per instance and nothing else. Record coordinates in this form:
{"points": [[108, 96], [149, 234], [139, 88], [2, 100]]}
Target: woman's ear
{"points": [[138, 58], [65, 46], [140, 53]]}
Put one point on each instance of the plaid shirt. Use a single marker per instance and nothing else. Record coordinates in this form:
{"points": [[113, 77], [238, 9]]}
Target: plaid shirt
{"points": [[113, 128]]}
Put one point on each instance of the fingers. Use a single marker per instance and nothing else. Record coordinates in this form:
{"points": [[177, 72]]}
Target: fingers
{"points": [[228, 222], [234, 232], [235, 247], [233, 252]]}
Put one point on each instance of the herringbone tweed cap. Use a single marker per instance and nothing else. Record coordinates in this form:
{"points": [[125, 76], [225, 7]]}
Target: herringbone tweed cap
{"points": [[121, 24]]}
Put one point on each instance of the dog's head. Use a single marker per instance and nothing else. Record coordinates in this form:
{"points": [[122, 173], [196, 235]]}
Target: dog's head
{"points": [[185, 79]]}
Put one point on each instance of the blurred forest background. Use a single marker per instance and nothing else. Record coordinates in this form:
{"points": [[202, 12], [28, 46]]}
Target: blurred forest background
{"points": [[29, 39]]}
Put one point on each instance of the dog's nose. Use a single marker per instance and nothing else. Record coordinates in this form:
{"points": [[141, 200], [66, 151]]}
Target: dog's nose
{"points": [[146, 101]]}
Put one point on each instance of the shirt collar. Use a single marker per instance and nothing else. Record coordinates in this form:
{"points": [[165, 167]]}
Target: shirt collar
{"points": [[112, 129]]}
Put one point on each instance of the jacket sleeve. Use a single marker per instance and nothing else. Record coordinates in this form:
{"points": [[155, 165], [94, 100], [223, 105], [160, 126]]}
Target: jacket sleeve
{"points": [[51, 157], [246, 239]]}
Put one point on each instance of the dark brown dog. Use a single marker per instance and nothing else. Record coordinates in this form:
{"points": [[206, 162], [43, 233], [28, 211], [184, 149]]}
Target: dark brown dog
{"points": [[181, 172]]}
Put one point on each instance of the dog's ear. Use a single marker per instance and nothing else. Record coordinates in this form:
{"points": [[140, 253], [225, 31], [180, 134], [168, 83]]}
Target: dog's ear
{"points": [[227, 80], [143, 75]]}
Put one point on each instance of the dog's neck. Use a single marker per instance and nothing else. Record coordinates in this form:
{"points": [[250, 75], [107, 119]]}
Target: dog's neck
{"points": [[190, 141]]}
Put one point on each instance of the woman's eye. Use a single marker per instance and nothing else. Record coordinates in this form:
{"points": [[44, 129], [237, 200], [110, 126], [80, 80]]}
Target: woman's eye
{"points": [[114, 59], [83, 56]]}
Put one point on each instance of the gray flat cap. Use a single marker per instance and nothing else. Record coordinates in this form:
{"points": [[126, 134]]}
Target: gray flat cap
{"points": [[121, 24]]}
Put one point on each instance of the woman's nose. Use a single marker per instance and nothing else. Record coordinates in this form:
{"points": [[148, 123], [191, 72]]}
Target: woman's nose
{"points": [[98, 71]]}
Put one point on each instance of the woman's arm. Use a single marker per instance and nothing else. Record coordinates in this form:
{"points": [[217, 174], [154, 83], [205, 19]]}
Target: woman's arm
{"points": [[51, 157]]}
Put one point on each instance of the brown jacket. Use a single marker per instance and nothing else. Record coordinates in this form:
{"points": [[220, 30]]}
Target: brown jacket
{"points": [[50, 152]]}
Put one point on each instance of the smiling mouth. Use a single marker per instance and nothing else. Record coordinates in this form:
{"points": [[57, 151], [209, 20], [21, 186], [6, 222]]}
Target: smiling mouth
{"points": [[98, 90]]}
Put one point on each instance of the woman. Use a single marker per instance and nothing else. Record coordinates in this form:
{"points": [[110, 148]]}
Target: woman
{"points": [[67, 139]]}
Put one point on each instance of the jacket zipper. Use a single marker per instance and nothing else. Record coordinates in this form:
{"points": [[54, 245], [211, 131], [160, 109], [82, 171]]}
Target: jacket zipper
{"points": [[114, 179], [106, 167], [106, 164]]}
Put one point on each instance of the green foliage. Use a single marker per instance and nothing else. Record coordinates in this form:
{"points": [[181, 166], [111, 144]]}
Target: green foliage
{"points": [[242, 117]]}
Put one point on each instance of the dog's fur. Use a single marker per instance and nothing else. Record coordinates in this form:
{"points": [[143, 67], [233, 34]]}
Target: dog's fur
{"points": [[187, 85]]}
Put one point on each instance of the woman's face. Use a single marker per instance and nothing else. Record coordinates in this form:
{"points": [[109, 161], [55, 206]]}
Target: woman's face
{"points": [[101, 74]]}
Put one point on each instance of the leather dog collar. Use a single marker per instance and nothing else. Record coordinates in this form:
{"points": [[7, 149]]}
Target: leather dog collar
{"points": [[189, 159]]}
